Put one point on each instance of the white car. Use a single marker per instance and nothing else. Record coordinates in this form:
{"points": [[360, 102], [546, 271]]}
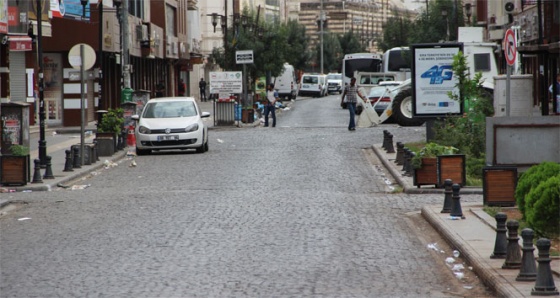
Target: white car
{"points": [[171, 123]]}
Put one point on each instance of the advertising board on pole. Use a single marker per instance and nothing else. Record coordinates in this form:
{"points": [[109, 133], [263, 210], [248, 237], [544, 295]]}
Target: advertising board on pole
{"points": [[226, 82], [433, 80]]}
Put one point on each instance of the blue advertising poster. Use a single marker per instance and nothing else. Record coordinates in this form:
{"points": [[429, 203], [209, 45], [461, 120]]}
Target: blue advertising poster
{"points": [[71, 9], [433, 80]]}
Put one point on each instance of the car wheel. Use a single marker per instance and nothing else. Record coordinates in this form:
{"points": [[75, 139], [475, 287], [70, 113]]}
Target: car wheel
{"points": [[402, 109], [143, 151]]}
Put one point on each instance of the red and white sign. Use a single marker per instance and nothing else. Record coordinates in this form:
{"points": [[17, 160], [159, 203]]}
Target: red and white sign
{"points": [[510, 48], [20, 43]]}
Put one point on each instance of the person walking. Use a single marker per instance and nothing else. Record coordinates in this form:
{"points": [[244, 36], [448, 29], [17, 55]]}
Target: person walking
{"points": [[202, 87], [182, 88], [270, 107], [349, 98], [551, 90]]}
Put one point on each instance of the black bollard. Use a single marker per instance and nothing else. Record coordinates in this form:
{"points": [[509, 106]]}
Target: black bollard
{"points": [[384, 145], [447, 201], [528, 271], [456, 210], [48, 171], [400, 152], [500, 245], [513, 255], [409, 168], [544, 286], [390, 148], [68, 163], [95, 156], [77, 159], [406, 158], [37, 172]]}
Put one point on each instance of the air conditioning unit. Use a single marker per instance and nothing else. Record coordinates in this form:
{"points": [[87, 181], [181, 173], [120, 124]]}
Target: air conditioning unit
{"points": [[175, 49]]}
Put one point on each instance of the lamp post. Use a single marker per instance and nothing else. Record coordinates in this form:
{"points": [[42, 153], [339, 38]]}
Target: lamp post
{"points": [[468, 12], [42, 140], [444, 14], [117, 4]]}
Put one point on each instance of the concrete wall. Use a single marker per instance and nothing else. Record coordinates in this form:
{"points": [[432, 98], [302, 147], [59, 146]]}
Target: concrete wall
{"points": [[522, 141]]}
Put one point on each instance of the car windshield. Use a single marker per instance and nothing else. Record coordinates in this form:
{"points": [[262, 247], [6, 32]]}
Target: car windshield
{"points": [[334, 77], [169, 109]]}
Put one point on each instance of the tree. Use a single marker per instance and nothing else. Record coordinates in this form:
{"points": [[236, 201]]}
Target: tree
{"points": [[396, 32], [332, 53], [297, 53], [350, 43]]}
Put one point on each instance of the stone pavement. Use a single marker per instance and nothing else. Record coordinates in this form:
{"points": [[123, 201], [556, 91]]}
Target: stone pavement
{"points": [[474, 237]]}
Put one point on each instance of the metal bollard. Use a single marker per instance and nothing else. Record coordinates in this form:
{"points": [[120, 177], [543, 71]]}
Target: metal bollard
{"points": [[37, 171], [48, 171], [513, 255], [528, 271], [77, 159], [448, 196], [409, 168], [68, 163], [500, 245], [384, 145], [399, 158], [456, 210], [406, 158], [390, 148], [544, 286]]}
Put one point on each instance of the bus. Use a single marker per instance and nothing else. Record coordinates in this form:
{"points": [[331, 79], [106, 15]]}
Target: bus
{"points": [[368, 62], [398, 60]]}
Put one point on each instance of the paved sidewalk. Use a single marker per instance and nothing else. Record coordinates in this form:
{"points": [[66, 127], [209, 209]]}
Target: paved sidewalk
{"points": [[473, 236]]}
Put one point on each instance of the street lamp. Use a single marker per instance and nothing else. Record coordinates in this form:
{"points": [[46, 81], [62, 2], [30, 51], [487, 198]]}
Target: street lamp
{"points": [[84, 3], [468, 12], [42, 140], [444, 14]]}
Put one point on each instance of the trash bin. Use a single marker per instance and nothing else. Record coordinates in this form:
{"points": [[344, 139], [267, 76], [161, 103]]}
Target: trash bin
{"points": [[126, 95]]}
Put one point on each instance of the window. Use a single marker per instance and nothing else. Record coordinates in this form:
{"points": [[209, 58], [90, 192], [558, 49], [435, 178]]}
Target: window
{"points": [[170, 17], [481, 62]]}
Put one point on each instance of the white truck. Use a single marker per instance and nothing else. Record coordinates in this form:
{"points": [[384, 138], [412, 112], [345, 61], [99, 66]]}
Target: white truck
{"points": [[480, 59]]}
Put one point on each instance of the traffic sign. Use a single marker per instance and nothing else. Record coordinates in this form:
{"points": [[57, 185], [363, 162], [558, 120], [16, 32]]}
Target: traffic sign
{"points": [[244, 57], [510, 48], [75, 58]]}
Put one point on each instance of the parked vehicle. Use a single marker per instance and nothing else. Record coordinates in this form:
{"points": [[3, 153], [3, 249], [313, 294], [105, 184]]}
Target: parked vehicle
{"points": [[334, 83], [313, 85], [286, 84], [381, 96], [171, 123]]}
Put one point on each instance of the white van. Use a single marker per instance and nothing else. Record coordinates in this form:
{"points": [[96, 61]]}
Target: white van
{"points": [[286, 83], [313, 85]]}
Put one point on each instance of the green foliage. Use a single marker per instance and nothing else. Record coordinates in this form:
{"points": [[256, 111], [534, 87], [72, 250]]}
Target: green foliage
{"points": [[468, 133], [473, 169], [332, 54], [112, 121], [297, 53], [19, 150], [397, 31], [350, 43], [432, 150], [542, 207], [531, 179]]}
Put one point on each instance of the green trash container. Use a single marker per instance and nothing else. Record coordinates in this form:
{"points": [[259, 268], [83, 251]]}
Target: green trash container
{"points": [[126, 95]]}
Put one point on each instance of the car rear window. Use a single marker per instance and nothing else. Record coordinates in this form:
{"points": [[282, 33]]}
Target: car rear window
{"points": [[310, 80], [169, 109]]}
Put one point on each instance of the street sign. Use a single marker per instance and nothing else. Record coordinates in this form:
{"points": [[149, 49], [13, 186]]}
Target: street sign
{"points": [[226, 82], [244, 57], [76, 60], [510, 48]]}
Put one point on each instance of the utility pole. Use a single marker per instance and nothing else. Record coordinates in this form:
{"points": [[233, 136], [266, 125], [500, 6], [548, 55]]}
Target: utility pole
{"points": [[321, 21], [125, 53]]}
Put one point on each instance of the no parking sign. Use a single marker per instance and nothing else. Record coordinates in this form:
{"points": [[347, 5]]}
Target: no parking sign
{"points": [[510, 49]]}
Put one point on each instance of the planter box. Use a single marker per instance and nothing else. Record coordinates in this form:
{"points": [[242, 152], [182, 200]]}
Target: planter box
{"points": [[247, 115], [106, 143], [15, 170], [498, 186], [427, 174], [451, 167]]}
